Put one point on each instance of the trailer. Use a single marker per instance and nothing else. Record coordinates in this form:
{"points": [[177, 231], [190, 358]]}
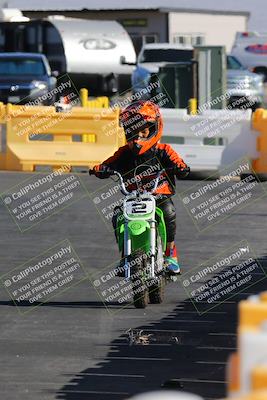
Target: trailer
{"points": [[89, 51], [250, 48]]}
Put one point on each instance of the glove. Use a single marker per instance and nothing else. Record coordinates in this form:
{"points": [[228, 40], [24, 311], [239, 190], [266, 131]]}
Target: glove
{"points": [[182, 172], [101, 171]]}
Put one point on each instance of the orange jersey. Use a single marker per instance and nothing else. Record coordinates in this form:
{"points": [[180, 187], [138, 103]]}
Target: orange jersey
{"points": [[146, 167]]}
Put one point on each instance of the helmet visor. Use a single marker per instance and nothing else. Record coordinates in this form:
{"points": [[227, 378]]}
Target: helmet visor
{"points": [[134, 124]]}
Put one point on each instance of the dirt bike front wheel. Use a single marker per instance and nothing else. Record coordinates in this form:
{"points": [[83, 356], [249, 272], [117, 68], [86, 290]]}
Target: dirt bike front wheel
{"points": [[157, 285], [138, 277]]}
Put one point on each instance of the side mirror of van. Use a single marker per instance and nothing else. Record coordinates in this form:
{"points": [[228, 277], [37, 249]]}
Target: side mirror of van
{"points": [[55, 74]]}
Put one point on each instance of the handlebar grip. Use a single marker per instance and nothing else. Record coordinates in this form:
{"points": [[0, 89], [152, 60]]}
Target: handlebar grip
{"points": [[105, 171], [182, 172]]}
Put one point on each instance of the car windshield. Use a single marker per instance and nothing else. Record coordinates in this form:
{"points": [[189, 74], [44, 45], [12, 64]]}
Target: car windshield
{"points": [[233, 63], [21, 66], [169, 55]]}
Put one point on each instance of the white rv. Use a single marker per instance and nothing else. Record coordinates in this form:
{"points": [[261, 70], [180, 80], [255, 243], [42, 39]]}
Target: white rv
{"points": [[90, 51], [250, 48]]}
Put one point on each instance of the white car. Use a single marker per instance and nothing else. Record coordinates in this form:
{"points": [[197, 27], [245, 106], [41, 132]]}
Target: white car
{"points": [[155, 55]]}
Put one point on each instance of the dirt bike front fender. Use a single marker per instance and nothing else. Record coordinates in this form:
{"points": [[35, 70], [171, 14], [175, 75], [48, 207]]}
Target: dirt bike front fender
{"points": [[139, 232], [136, 228]]}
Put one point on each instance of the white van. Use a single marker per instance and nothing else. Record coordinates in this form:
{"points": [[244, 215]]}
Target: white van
{"points": [[250, 48]]}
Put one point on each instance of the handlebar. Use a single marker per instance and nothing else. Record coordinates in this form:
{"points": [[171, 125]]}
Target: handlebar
{"points": [[110, 172]]}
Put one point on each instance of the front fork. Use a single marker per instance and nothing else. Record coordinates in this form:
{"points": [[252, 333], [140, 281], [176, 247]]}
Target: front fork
{"points": [[152, 248], [128, 249]]}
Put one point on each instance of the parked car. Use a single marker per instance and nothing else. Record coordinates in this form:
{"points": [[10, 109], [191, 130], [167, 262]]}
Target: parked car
{"points": [[24, 77], [244, 87], [155, 55]]}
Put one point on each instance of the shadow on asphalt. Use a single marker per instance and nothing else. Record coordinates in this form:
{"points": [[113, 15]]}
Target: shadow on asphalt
{"points": [[65, 304], [195, 362]]}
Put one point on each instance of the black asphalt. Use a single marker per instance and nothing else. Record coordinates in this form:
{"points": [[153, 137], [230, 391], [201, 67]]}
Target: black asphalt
{"points": [[73, 348]]}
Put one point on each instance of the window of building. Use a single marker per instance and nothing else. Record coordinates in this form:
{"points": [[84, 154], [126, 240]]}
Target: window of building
{"points": [[151, 38], [193, 39]]}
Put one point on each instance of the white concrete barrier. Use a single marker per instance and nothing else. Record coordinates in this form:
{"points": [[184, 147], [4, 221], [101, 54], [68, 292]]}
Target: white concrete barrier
{"points": [[212, 140], [166, 395]]}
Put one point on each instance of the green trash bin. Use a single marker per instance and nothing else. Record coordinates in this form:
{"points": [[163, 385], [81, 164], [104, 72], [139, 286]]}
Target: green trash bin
{"points": [[177, 83]]}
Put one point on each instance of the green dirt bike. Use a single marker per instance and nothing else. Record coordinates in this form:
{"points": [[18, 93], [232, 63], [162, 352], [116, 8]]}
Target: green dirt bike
{"points": [[141, 237]]}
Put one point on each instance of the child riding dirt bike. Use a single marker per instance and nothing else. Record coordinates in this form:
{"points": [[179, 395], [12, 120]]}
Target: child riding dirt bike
{"points": [[144, 157]]}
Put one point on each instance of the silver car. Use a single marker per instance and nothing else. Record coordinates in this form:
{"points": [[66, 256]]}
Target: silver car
{"points": [[245, 88]]}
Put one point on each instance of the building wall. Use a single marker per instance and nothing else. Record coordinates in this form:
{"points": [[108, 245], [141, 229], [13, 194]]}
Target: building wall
{"points": [[156, 22], [218, 29]]}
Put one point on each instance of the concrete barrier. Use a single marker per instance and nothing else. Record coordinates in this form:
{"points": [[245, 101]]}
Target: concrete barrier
{"points": [[212, 140], [259, 123], [84, 136], [41, 136], [247, 369]]}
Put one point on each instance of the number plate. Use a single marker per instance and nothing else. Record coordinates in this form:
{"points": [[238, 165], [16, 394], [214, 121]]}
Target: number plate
{"points": [[134, 207]]}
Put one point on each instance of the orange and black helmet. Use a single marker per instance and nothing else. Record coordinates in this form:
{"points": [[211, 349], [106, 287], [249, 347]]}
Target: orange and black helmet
{"points": [[137, 117]]}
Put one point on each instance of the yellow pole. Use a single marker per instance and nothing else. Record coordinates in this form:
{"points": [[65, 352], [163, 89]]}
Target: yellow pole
{"points": [[104, 100], [192, 104], [84, 101], [84, 96]]}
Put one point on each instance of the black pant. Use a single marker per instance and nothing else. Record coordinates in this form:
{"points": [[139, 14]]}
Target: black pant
{"points": [[168, 209]]}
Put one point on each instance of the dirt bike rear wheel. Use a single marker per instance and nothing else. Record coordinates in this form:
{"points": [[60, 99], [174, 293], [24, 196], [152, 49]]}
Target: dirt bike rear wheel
{"points": [[156, 291]]}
